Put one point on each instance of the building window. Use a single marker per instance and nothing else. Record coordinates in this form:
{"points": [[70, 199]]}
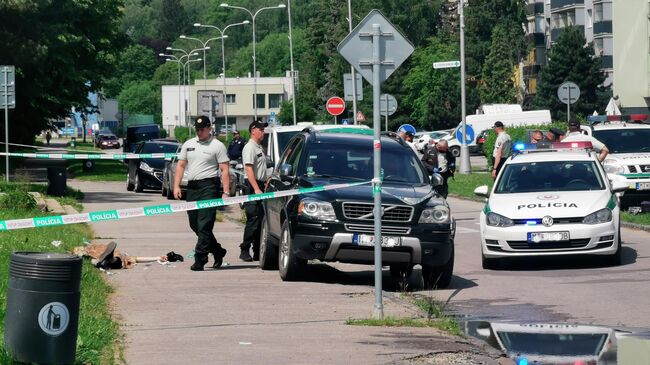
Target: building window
{"points": [[590, 20], [261, 101], [570, 19], [598, 13], [598, 47], [231, 98], [275, 100], [539, 24]]}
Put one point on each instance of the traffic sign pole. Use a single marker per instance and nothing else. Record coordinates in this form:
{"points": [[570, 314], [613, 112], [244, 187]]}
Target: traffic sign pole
{"points": [[376, 93], [465, 167]]}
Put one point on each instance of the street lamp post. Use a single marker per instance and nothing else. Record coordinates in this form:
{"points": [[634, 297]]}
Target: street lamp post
{"points": [[253, 16], [223, 63], [188, 55], [173, 58], [205, 48], [293, 75], [465, 167]]}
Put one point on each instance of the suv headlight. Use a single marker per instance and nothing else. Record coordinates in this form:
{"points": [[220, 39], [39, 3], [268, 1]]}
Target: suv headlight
{"points": [[145, 167], [316, 209], [437, 214], [602, 216], [497, 220], [612, 166]]}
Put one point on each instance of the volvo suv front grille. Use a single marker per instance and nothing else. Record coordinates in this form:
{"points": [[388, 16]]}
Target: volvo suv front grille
{"points": [[364, 211]]}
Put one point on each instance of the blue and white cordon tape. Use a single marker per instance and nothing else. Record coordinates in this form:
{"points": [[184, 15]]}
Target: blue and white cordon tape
{"points": [[153, 210]]}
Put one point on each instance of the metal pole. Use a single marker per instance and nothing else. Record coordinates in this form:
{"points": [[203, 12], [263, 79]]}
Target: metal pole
{"points": [[254, 73], [465, 167], [205, 81], [354, 76], [5, 76], [225, 94], [293, 73], [568, 105], [376, 188], [179, 94], [386, 114]]}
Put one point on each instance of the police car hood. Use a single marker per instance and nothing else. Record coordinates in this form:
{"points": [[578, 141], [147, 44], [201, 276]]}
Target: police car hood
{"points": [[557, 204]]}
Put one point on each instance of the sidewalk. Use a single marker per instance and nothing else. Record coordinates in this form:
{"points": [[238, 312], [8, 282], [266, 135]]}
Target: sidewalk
{"points": [[240, 314]]}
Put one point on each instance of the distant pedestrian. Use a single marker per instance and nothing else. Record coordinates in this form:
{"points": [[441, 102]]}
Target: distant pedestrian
{"points": [[236, 146], [502, 148], [48, 136], [575, 135], [255, 167], [203, 155]]}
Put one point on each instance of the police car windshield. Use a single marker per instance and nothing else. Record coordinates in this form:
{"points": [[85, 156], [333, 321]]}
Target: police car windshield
{"points": [[549, 176], [625, 140], [356, 162], [554, 344]]}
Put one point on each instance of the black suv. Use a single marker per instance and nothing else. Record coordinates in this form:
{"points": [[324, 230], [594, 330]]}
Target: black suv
{"points": [[337, 225]]}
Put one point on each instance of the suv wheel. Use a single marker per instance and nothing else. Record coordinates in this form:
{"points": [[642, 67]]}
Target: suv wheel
{"points": [[129, 185], [438, 277], [138, 184], [268, 249], [455, 151], [289, 265]]}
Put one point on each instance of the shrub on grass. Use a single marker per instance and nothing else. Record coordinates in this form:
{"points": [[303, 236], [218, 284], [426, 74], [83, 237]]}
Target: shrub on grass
{"points": [[17, 200]]}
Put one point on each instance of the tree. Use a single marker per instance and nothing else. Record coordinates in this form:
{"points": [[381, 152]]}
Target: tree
{"points": [[62, 50], [303, 113], [571, 60], [136, 63], [272, 55], [497, 84], [142, 97], [173, 21], [434, 95]]}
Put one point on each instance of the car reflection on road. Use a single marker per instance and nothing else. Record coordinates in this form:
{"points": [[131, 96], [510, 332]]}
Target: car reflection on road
{"points": [[562, 344]]}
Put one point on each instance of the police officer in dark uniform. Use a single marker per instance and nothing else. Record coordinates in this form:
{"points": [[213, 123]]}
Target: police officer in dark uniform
{"points": [[236, 146], [254, 161], [203, 156]]}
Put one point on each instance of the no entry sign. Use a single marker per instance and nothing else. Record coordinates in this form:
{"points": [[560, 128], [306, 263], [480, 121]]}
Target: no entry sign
{"points": [[335, 105]]}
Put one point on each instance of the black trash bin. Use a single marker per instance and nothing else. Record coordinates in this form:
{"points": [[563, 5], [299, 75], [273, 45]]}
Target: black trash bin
{"points": [[57, 180], [43, 307]]}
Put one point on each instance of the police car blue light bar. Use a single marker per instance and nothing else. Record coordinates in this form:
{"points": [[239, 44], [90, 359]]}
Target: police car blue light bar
{"points": [[522, 147]]}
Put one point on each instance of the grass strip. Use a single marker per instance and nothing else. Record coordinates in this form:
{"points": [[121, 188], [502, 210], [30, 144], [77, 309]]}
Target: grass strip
{"points": [[97, 333], [104, 170]]}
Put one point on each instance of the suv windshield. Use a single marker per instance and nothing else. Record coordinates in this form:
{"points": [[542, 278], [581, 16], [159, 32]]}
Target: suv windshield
{"points": [[356, 162], [158, 148], [550, 176], [625, 140]]}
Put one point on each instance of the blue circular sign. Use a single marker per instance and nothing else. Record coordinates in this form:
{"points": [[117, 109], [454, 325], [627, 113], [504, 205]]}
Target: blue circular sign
{"points": [[406, 128], [469, 136]]}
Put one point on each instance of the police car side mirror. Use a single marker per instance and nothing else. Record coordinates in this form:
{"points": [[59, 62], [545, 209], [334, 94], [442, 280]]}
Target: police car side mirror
{"points": [[436, 180], [285, 170], [482, 191], [619, 186]]}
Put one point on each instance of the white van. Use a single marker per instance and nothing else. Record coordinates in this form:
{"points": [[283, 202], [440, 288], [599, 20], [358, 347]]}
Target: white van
{"points": [[480, 122]]}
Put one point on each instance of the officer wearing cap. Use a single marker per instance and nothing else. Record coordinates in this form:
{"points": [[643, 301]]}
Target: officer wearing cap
{"points": [[502, 148], [575, 135], [255, 166], [203, 156]]}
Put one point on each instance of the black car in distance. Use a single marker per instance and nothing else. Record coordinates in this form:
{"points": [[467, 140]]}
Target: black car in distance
{"points": [[147, 173], [337, 225]]}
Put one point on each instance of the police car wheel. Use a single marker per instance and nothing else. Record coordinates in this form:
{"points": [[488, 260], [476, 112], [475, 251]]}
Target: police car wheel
{"points": [[490, 264], [616, 258], [138, 185], [129, 185]]}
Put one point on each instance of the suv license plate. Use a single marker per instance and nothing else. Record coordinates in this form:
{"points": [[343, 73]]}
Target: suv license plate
{"points": [[369, 240], [536, 237], [643, 186]]}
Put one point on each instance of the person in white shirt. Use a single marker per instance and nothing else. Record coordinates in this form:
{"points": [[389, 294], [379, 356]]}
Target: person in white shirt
{"points": [[575, 135], [502, 148]]}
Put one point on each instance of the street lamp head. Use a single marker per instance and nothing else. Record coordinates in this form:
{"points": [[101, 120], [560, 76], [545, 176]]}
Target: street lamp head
{"points": [[282, 6], [246, 22], [197, 24], [168, 48], [224, 5], [161, 54], [195, 54], [183, 37], [206, 48]]}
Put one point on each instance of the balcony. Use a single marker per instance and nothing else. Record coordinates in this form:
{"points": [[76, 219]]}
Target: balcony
{"points": [[536, 38], [603, 27], [606, 61], [536, 8], [555, 33], [556, 4]]}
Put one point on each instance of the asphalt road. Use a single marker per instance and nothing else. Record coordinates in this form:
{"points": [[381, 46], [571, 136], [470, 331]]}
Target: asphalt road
{"points": [[575, 290]]}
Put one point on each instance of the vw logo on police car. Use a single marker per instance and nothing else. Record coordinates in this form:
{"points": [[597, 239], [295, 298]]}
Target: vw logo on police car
{"points": [[547, 221], [548, 197]]}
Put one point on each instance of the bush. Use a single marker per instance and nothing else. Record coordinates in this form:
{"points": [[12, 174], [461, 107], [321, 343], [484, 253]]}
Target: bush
{"points": [[181, 133], [17, 200], [517, 134]]}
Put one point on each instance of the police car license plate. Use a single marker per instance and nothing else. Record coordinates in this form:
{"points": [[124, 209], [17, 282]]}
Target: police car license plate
{"points": [[643, 186], [369, 240], [536, 237]]}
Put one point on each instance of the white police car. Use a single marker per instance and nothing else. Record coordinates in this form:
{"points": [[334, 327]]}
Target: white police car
{"points": [[551, 201], [629, 152]]}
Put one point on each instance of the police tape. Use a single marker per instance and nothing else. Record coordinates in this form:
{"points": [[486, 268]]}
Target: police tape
{"points": [[155, 210], [89, 156]]}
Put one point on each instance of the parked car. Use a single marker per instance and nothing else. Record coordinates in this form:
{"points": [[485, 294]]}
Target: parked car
{"points": [[99, 134], [337, 225], [108, 141], [480, 140], [169, 173], [147, 173], [139, 133]]}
